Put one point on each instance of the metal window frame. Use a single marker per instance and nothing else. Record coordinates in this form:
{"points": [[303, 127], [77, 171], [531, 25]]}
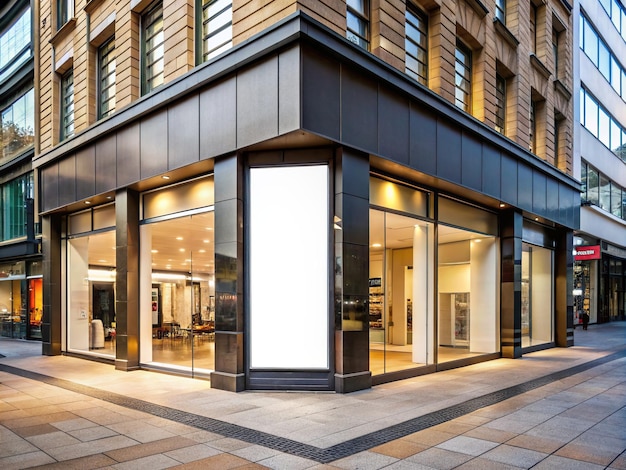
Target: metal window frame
{"points": [[363, 18], [145, 25], [67, 91], [103, 53], [466, 77], [500, 103], [422, 21], [204, 52]]}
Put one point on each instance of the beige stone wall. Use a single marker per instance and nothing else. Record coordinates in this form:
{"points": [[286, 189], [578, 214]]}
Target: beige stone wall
{"points": [[506, 51]]}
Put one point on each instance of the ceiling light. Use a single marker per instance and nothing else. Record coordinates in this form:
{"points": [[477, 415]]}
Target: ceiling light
{"points": [[376, 245], [165, 177], [202, 251], [536, 219], [87, 202], [502, 204], [179, 238], [205, 241], [181, 250], [154, 251]]}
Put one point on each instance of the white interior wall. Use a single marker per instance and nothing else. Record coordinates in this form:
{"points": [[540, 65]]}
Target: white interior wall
{"points": [[542, 306], [145, 294], [79, 311], [483, 282]]}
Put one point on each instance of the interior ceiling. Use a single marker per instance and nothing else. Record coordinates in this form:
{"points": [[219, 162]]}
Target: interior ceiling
{"points": [[182, 245], [194, 252], [399, 232]]}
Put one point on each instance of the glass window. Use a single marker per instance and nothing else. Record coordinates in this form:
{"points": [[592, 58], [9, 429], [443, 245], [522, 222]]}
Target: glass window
{"points": [[67, 105], [463, 77], [91, 326], [605, 193], [593, 186], [15, 45], [537, 295], [591, 114], [500, 104], [607, 5], [582, 107], [604, 127], [467, 294], [65, 12], [153, 48], [106, 79], [416, 45], [591, 43], [217, 27], [616, 75], [501, 10], [583, 182], [616, 200], [18, 126], [13, 198], [400, 295], [533, 27], [616, 14], [604, 61], [358, 23], [555, 51], [616, 137]]}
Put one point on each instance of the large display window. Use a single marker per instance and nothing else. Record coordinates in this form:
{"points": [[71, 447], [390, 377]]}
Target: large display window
{"points": [[401, 292], [13, 298]]}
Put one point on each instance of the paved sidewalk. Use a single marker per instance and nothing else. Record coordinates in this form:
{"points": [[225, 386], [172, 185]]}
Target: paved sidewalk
{"points": [[560, 408]]}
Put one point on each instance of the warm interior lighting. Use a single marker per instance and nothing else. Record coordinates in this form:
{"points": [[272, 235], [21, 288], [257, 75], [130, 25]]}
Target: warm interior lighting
{"points": [[165, 177], [502, 204], [376, 245], [179, 238], [103, 275], [87, 202]]}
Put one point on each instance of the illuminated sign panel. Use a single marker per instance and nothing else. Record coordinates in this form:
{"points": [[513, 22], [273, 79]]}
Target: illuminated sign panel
{"points": [[582, 253]]}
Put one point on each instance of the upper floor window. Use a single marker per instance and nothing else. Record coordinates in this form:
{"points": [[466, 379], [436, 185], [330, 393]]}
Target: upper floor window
{"points": [[152, 48], [217, 27], [15, 45], [18, 123], [416, 45], [500, 103], [67, 105], [106, 79], [602, 57], [555, 51], [65, 12], [533, 27], [13, 212], [532, 138], [617, 13], [463, 77], [602, 125], [358, 23], [501, 10], [599, 190]]}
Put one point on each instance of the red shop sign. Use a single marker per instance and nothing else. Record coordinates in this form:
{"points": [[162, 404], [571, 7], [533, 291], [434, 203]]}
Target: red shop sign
{"points": [[582, 253]]}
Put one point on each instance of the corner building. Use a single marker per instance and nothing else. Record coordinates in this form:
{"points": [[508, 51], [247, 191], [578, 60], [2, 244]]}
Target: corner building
{"points": [[306, 195]]}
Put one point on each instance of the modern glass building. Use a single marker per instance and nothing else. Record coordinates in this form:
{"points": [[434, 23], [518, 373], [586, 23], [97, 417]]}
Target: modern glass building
{"points": [[21, 300]]}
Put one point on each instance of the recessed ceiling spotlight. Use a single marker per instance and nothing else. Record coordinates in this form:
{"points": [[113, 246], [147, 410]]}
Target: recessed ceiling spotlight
{"points": [[502, 204], [154, 251], [165, 177], [205, 241], [87, 202], [179, 238], [376, 245]]}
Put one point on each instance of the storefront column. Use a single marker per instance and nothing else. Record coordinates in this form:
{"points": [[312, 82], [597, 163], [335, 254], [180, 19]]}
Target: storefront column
{"points": [[229, 351], [511, 285], [352, 271], [564, 285], [51, 319], [127, 280]]}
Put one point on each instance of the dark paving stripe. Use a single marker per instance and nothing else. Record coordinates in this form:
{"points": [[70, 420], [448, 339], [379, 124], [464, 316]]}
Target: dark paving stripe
{"points": [[322, 455]]}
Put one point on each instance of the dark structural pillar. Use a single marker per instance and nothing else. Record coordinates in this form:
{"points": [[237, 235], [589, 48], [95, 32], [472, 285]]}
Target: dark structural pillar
{"points": [[352, 271], [127, 280], [564, 285], [51, 319], [511, 285], [229, 371]]}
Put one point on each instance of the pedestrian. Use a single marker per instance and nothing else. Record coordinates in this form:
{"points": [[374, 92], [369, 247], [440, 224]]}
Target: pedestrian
{"points": [[585, 320]]}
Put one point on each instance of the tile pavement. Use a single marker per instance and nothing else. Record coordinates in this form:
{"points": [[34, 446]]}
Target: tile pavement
{"points": [[64, 412]]}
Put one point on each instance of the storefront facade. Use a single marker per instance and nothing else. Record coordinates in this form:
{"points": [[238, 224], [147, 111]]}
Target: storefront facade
{"points": [[298, 215]]}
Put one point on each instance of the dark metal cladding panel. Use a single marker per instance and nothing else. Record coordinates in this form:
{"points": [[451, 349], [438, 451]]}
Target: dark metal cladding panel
{"points": [[393, 126], [218, 119], [86, 172], [355, 220], [183, 132], [539, 193], [491, 171], [154, 145], [128, 155], [448, 151], [257, 103], [355, 272], [508, 179], [67, 180], [50, 187], [228, 232], [569, 202], [353, 174], [471, 162], [321, 86], [359, 110], [106, 149], [423, 145], [289, 90], [552, 199], [524, 187]]}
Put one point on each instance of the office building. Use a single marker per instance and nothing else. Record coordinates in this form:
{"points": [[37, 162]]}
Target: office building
{"points": [[306, 195], [600, 160], [21, 300]]}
